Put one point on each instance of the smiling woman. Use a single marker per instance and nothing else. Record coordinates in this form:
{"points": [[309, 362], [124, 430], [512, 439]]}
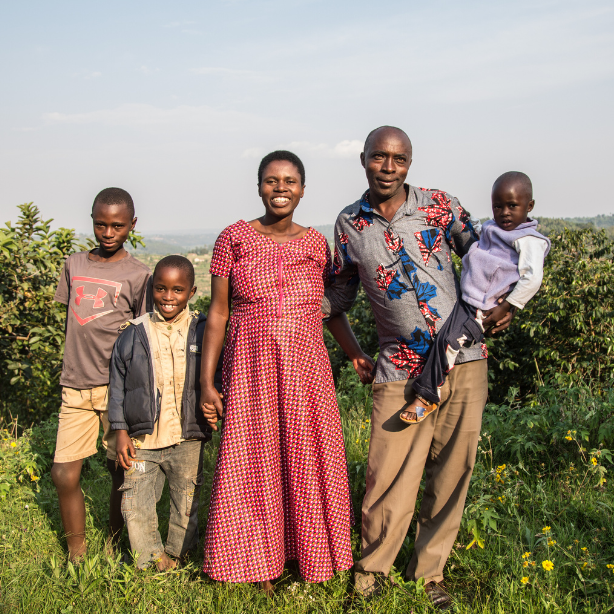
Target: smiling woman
{"points": [[280, 489]]}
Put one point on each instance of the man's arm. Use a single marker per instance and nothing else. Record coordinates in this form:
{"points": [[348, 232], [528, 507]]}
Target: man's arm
{"points": [[343, 334], [340, 294]]}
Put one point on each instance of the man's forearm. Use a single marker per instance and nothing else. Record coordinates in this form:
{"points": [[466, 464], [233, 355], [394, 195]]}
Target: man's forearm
{"points": [[341, 330]]}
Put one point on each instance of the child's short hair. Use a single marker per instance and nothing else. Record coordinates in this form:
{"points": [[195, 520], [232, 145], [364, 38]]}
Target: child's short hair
{"points": [[283, 155], [177, 262], [515, 177], [114, 196]]}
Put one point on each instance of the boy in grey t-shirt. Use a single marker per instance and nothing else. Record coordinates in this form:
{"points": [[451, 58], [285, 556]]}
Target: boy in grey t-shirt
{"points": [[101, 289]]}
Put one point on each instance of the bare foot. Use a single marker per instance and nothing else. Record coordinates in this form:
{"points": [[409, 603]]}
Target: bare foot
{"points": [[166, 563], [268, 588]]}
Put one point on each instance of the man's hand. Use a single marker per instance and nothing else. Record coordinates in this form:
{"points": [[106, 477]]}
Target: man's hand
{"points": [[365, 367], [498, 318], [125, 449], [211, 405]]}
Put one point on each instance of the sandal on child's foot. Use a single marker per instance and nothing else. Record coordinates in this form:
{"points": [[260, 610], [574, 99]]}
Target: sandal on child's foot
{"points": [[418, 410]]}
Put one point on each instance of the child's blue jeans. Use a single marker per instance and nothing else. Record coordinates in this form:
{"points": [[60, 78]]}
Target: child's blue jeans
{"points": [[182, 466]]}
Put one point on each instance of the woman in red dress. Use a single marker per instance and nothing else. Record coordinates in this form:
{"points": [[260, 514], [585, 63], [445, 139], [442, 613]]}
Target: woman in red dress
{"points": [[280, 489]]}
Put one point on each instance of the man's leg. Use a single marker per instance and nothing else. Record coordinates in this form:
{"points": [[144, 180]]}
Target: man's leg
{"points": [[184, 472], [397, 455], [449, 466]]}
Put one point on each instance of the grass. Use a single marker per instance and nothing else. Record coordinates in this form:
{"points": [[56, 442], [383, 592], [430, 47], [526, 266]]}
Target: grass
{"points": [[555, 509]]}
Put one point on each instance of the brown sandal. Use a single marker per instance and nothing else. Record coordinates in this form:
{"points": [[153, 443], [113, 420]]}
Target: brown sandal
{"points": [[422, 411]]}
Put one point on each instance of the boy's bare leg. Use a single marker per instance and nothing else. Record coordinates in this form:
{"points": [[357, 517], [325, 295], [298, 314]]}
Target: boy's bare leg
{"points": [[66, 477], [116, 520]]}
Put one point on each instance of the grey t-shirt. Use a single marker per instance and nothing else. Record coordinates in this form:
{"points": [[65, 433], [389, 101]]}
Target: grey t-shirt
{"points": [[100, 297]]}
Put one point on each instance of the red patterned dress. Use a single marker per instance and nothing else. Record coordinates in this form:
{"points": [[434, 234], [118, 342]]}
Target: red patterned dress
{"points": [[281, 488]]}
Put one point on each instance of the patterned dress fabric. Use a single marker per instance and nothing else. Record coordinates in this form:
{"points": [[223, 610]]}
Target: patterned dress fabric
{"points": [[281, 488], [406, 269]]}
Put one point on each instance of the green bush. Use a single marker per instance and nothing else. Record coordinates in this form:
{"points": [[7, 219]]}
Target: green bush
{"points": [[31, 323], [565, 334]]}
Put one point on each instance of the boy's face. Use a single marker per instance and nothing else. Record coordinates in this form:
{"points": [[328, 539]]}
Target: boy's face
{"points": [[511, 204], [112, 225], [171, 292]]}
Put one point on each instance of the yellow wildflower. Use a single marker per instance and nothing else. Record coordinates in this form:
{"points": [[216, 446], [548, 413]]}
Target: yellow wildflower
{"points": [[524, 579], [13, 444], [546, 529], [584, 548], [34, 478], [525, 563], [548, 565], [526, 555], [532, 563], [568, 437], [610, 566], [594, 461], [551, 542], [584, 565]]}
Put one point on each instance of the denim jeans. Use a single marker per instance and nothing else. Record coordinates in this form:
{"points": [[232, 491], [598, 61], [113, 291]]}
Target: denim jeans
{"points": [[182, 466]]}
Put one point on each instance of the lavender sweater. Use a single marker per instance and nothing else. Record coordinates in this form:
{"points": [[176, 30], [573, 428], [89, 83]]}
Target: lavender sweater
{"points": [[490, 268]]}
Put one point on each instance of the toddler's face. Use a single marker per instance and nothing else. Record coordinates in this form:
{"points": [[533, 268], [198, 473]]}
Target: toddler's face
{"points": [[171, 292], [511, 204]]}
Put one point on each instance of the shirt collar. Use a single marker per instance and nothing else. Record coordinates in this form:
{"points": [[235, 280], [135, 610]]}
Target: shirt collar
{"points": [[407, 208], [157, 318]]}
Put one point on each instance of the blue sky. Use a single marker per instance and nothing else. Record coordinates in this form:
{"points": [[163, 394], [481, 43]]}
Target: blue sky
{"points": [[176, 102]]}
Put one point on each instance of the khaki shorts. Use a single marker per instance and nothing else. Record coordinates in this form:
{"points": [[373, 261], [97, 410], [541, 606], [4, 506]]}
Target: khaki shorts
{"points": [[81, 414]]}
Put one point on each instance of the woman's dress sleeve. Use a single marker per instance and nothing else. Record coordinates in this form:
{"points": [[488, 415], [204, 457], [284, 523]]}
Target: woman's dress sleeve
{"points": [[223, 257]]}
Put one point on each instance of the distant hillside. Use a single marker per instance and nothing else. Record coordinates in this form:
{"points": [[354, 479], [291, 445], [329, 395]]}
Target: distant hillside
{"points": [[202, 242], [183, 243]]}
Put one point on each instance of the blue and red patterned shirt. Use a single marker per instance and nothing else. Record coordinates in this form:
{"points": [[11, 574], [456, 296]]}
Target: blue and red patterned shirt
{"points": [[406, 270]]}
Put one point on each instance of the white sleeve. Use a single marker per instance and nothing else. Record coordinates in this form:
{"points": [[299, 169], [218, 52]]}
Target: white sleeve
{"points": [[531, 254]]}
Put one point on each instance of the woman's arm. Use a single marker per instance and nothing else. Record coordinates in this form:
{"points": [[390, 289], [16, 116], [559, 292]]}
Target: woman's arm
{"points": [[213, 340], [341, 330]]}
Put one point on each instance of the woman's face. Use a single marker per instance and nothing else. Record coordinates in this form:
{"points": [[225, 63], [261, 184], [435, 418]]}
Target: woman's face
{"points": [[281, 188]]}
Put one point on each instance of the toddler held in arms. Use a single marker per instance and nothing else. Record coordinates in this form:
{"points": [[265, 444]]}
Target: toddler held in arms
{"points": [[509, 256]]}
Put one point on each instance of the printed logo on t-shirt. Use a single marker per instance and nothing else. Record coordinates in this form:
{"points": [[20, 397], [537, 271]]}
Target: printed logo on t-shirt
{"points": [[90, 295]]}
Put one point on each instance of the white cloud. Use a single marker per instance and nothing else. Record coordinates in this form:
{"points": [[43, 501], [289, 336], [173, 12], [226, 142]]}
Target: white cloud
{"points": [[148, 71], [178, 24], [226, 72], [343, 149], [253, 152]]}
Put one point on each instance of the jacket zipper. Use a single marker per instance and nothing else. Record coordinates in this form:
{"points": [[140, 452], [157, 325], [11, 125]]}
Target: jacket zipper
{"points": [[280, 281]]}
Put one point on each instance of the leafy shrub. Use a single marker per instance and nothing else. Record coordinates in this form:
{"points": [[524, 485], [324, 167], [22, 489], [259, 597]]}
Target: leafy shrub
{"points": [[543, 426], [31, 323], [565, 334]]}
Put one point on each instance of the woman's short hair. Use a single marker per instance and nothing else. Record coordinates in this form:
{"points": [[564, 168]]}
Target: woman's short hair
{"points": [[284, 155]]}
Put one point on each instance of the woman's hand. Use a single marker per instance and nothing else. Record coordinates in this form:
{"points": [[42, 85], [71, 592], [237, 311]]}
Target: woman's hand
{"points": [[125, 449], [365, 367], [211, 405]]}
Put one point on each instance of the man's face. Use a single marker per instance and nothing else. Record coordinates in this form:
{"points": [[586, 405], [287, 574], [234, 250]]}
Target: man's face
{"points": [[112, 225], [386, 161], [171, 291], [511, 204]]}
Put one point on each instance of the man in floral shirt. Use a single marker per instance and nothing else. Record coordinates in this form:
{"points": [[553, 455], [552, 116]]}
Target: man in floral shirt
{"points": [[397, 241]]}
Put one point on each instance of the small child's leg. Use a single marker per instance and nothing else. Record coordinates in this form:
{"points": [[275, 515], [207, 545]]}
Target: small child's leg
{"points": [[459, 330], [139, 507], [184, 473], [66, 477]]}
